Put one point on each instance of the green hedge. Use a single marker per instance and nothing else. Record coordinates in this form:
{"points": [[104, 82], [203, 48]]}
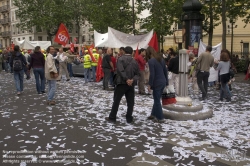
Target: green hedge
{"points": [[241, 65]]}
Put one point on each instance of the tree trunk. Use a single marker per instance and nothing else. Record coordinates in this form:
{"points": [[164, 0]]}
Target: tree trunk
{"points": [[224, 26], [211, 26]]}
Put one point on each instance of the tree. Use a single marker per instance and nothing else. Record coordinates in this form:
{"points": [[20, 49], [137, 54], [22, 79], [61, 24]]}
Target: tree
{"points": [[162, 16], [45, 14], [116, 14]]}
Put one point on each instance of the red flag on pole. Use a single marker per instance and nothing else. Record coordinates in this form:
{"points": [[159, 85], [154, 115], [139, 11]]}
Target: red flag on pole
{"points": [[72, 49], [154, 42], [99, 72], [62, 35], [91, 55], [137, 52]]}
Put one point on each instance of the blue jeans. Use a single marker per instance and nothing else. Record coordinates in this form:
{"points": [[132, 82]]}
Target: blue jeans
{"points": [[87, 74], [52, 89], [111, 82], [94, 73], [6, 66], [224, 91], [39, 72], [69, 66], [18, 77], [157, 108]]}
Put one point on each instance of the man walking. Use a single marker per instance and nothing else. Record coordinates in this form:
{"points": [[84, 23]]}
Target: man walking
{"points": [[203, 64], [51, 75], [107, 66], [127, 76], [62, 58], [87, 66]]}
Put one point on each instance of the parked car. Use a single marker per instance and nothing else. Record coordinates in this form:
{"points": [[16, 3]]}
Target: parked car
{"points": [[78, 70]]}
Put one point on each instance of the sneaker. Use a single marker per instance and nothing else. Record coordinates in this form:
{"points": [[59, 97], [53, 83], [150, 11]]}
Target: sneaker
{"points": [[43, 91], [110, 120], [67, 79], [28, 78], [109, 89], [18, 93]]}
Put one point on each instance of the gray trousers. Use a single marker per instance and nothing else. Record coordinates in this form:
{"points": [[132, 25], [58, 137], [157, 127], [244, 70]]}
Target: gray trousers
{"points": [[106, 77], [141, 82], [63, 67]]}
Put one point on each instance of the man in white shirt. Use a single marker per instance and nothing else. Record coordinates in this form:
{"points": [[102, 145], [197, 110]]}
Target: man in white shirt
{"points": [[62, 58]]}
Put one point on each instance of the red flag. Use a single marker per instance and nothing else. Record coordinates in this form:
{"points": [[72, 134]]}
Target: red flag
{"points": [[91, 55], [99, 72], [62, 35], [137, 52], [154, 42], [72, 49]]}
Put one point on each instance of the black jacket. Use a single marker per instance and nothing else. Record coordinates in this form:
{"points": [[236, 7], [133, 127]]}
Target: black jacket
{"points": [[127, 68], [174, 65], [20, 56]]}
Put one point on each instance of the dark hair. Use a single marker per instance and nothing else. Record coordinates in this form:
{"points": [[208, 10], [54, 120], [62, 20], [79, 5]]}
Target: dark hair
{"points": [[151, 53], [209, 48], [37, 49], [128, 50], [48, 49], [224, 56], [16, 48], [57, 49], [171, 49], [122, 48], [141, 50]]}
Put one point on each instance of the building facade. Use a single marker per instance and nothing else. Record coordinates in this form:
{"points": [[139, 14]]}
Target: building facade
{"points": [[5, 29], [237, 33]]}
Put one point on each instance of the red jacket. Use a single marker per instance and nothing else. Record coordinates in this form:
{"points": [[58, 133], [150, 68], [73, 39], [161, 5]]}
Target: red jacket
{"points": [[141, 62], [113, 60]]}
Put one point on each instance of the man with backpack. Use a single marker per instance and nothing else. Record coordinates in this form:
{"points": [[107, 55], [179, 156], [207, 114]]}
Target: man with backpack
{"points": [[18, 63]]}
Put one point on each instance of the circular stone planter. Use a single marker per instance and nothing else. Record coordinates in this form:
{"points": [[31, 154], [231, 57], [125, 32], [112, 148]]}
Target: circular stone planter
{"points": [[184, 112], [183, 108]]}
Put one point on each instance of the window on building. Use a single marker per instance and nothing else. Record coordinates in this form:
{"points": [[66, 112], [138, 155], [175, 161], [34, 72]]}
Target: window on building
{"points": [[70, 39], [30, 38], [23, 38], [0, 29], [12, 16], [246, 48], [18, 39], [40, 38], [48, 39], [83, 38], [179, 26]]}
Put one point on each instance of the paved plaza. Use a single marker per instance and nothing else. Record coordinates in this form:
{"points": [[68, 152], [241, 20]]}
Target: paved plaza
{"points": [[74, 132]]}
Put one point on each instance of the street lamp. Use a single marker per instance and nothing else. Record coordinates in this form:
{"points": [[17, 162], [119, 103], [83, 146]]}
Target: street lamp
{"points": [[232, 33], [241, 43]]}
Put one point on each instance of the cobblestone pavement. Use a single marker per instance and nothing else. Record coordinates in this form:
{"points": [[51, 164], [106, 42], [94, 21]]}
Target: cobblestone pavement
{"points": [[74, 131]]}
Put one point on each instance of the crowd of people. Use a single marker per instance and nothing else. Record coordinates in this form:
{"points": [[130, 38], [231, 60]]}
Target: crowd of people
{"points": [[122, 71]]}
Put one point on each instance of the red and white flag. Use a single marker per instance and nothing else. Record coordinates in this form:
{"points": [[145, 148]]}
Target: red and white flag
{"points": [[72, 49], [62, 35]]}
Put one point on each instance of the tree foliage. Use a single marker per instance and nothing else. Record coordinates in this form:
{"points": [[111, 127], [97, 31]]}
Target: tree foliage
{"points": [[112, 13], [162, 15], [45, 14]]}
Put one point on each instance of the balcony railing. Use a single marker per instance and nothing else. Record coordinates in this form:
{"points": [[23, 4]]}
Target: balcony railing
{"points": [[5, 21], [6, 34], [4, 8]]}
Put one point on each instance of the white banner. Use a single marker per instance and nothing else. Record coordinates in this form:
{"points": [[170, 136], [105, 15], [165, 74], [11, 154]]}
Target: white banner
{"points": [[216, 54], [117, 39], [24, 44]]}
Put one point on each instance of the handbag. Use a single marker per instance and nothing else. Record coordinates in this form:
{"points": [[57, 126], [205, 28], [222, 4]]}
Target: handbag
{"points": [[53, 75]]}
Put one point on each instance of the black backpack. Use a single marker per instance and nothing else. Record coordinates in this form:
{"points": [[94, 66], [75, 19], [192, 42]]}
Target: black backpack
{"points": [[17, 64]]}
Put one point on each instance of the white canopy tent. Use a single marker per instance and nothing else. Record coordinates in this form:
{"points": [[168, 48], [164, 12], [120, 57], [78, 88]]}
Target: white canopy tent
{"points": [[24, 44], [117, 39]]}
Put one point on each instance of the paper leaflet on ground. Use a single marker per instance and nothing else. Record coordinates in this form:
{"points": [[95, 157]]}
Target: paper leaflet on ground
{"points": [[117, 39]]}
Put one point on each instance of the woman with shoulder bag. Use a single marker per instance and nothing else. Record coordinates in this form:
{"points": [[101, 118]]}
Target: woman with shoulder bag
{"points": [[158, 80], [224, 67]]}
